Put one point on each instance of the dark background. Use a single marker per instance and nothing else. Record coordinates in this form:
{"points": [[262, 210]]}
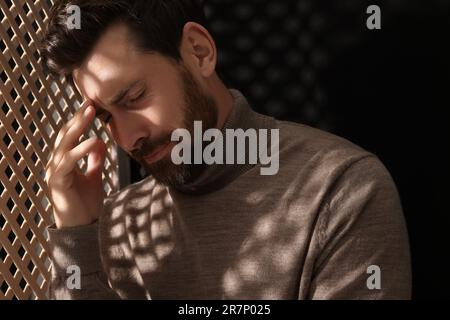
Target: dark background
{"points": [[315, 62]]}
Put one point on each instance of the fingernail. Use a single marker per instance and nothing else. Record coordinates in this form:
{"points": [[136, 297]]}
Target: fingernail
{"points": [[87, 111]]}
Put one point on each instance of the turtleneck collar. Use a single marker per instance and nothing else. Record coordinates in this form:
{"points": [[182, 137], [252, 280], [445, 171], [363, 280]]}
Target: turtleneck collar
{"points": [[216, 176]]}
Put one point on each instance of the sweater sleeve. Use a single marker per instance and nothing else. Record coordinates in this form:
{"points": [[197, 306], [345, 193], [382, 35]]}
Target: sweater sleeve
{"points": [[76, 268], [364, 246]]}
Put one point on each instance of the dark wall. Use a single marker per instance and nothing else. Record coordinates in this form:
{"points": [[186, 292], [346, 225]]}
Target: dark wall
{"points": [[387, 90]]}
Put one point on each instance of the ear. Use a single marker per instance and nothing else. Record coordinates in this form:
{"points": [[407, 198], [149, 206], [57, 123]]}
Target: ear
{"points": [[198, 49]]}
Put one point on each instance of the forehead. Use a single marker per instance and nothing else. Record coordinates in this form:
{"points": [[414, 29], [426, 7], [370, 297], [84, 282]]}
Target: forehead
{"points": [[110, 54], [114, 62]]}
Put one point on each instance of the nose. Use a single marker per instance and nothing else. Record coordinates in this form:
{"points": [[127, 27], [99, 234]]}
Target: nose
{"points": [[129, 133], [137, 146]]}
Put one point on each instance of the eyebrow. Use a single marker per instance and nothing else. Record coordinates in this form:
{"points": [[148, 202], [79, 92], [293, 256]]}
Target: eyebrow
{"points": [[123, 93]]}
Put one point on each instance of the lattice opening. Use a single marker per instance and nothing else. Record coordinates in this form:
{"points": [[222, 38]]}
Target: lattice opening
{"points": [[33, 109]]}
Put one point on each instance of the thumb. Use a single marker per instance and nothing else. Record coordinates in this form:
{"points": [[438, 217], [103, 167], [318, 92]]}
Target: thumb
{"points": [[96, 160]]}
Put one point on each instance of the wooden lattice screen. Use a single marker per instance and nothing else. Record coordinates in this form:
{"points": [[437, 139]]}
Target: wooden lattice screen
{"points": [[33, 109]]}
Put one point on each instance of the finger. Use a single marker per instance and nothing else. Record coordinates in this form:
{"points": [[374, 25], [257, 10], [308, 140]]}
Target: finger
{"points": [[71, 121], [96, 159], [49, 173], [70, 159], [64, 130], [73, 134]]}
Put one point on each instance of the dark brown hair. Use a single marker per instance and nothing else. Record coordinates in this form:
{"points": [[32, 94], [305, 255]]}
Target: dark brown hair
{"points": [[156, 26]]}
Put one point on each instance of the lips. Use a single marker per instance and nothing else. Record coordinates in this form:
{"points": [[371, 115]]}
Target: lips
{"points": [[157, 154]]}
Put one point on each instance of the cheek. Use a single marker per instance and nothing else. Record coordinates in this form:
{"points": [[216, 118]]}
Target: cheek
{"points": [[166, 113], [128, 126]]}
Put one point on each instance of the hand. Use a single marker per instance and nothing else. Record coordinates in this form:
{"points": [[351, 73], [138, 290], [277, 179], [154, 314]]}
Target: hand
{"points": [[77, 198]]}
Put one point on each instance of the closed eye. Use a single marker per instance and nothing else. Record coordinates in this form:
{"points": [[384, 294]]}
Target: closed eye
{"points": [[109, 116], [136, 99]]}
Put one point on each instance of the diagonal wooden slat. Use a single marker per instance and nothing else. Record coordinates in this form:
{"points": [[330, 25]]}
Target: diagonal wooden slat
{"points": [[33, 108]]}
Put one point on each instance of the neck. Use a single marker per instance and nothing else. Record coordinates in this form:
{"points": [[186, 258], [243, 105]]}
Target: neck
{"points": [[223, 100], [216, 176]]}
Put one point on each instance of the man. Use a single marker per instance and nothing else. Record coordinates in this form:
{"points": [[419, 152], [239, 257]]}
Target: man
{"points": [[327, 223]]}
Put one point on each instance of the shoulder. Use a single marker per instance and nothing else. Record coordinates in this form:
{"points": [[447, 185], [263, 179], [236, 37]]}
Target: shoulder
{"points": [[328, 163], [302, 147], [314, 142]]}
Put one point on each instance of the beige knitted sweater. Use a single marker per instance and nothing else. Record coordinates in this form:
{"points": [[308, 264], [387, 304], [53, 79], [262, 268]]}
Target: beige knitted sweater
{"points": [[312, 231]]}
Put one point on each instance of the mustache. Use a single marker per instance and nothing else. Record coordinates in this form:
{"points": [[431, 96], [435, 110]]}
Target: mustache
{"points": [[148, 146]]}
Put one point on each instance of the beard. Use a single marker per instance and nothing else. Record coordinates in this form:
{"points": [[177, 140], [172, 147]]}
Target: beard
{"points": [[197, 106]]}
